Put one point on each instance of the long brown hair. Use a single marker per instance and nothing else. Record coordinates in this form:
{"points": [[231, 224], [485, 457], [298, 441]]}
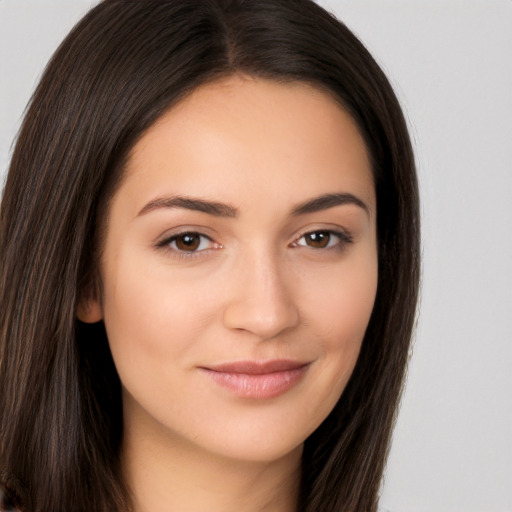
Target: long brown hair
{"points": [[122, 67]]}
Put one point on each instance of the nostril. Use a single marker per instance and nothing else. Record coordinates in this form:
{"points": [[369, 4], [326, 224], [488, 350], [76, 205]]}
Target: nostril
{"points": [[261, 299], [265, 317]]}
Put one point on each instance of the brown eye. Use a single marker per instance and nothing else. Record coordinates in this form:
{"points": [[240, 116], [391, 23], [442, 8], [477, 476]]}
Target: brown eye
{"points": [[318, 239], [187, 242], [324, 239]]}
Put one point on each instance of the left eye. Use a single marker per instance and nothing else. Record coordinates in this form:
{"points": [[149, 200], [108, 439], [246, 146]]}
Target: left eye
{"points": [[189, 242], [321, 239]]}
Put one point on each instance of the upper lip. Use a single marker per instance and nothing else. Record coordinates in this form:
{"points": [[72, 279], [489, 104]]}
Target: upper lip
{"points": [[257, 367]]}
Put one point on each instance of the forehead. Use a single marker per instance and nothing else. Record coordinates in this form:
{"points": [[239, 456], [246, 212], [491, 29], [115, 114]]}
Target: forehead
{"points": [[292, 137]]}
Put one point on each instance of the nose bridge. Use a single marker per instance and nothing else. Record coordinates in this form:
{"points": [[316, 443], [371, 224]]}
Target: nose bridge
{"points": [[262, 300]]}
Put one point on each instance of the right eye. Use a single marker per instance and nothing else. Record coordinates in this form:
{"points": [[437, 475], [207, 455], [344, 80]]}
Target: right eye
{"points": [[188, 243]]}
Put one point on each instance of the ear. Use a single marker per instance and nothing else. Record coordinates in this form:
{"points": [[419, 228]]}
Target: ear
{"points": [[89, 309]]}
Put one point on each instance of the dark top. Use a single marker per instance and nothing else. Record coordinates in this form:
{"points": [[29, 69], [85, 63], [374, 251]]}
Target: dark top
{"points": [[8, 501]]}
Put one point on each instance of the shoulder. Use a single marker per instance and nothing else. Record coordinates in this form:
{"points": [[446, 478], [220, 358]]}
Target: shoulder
{"points": [[8, 502], [11, 491]]}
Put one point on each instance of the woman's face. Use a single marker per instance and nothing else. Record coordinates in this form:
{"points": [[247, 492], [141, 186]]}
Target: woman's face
{"points": [[239, 268]]}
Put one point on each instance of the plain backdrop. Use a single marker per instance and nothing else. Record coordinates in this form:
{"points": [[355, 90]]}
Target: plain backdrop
{"points": [[451, 64]]}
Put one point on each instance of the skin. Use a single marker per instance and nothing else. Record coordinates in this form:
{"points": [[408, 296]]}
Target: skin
{"points": [[254, 286]]}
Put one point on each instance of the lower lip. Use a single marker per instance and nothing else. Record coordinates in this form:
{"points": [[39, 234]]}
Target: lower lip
{"points": [[259, 386]]}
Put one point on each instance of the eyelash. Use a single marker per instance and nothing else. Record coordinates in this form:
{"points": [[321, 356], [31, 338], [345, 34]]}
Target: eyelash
{"points": [[181, 253], [342, 239]]}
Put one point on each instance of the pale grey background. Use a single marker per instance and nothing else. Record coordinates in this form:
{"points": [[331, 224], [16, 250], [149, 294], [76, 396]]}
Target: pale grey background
{"points": [[451, 64]]}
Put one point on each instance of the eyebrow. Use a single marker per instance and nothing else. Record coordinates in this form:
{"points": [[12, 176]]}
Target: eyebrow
{"points": [[327, 201], [190, 203], [323, 202]]}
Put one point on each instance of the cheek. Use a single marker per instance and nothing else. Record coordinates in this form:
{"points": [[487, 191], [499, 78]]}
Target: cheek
{"points": [[346, 314], [340, 314], [148, 315], [341, 299]]}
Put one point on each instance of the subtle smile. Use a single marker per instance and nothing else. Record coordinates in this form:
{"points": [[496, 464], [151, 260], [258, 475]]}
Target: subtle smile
{"points": [[259, 380]]}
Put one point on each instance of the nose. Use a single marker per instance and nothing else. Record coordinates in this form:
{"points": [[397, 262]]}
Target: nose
{"points": [[260, 301]]}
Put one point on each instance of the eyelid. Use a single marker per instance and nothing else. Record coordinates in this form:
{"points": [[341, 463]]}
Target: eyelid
{"points": [[166, 241], [344, 237]]}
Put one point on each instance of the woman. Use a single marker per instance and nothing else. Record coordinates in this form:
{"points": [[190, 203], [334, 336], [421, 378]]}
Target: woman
{"points": [[209, 265]]}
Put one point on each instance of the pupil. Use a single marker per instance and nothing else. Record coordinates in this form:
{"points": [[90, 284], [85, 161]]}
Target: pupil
{"points": [[188, 242], [319, 240]]}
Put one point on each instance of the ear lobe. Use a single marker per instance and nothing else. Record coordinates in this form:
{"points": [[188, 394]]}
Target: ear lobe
{"points": [[89, 310]]}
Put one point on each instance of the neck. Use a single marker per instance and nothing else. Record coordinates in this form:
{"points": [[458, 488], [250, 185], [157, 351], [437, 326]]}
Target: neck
{"points": [[169, 474]]}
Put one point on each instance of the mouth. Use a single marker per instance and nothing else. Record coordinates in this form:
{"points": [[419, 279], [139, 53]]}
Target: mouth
{"points": [[257, 379]]}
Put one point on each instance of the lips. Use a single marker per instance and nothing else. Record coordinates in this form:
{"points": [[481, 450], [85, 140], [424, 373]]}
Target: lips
{"points": [[257, 379]]}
